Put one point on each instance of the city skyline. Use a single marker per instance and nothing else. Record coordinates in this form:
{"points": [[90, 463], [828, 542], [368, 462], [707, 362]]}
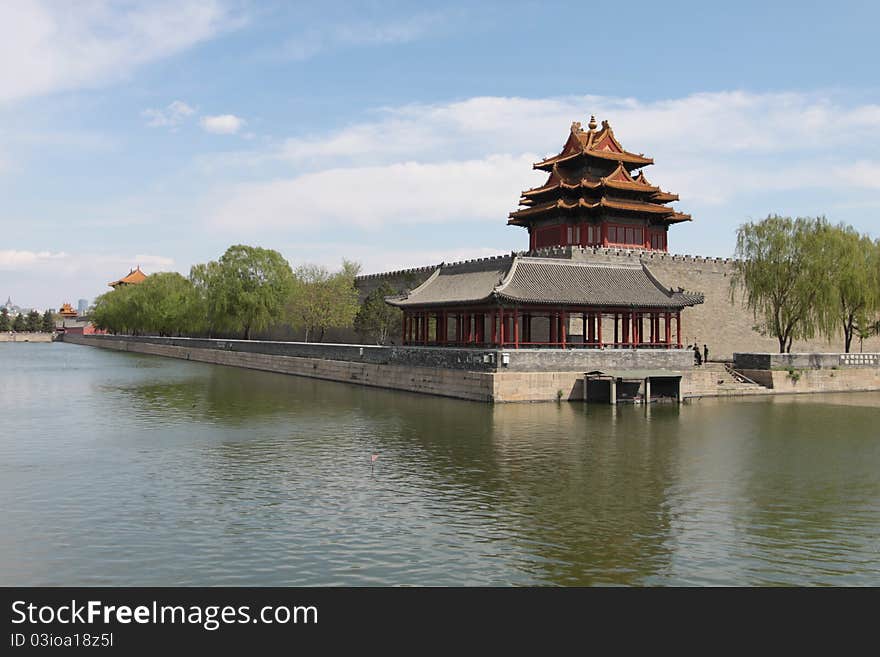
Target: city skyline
{"points": [[157, 135]]}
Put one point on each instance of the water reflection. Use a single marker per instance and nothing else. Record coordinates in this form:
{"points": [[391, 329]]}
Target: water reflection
{"points": [[142, 470]]}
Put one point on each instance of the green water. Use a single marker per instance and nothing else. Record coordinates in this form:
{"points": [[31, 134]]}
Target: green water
{"points": [[122, 469]]}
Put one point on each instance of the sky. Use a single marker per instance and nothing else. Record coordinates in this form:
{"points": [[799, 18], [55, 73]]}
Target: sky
{"points": [[401, 134]]}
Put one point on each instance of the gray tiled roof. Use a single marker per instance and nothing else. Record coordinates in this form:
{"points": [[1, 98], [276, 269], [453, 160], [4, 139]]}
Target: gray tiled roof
{"points": [[465, 282], [545, 280]]}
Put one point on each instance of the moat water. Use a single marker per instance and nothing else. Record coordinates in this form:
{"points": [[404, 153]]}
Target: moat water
{"points": [[123, 469]]}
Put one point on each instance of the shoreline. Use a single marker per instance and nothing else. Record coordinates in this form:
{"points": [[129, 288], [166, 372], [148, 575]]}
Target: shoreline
{"points": [[473, 374]]}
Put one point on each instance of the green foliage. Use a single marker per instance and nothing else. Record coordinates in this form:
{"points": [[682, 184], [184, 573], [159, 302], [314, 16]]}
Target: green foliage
{"points": [[47, 324], [804, 276], [247, 289], [5, 322], [778, 275], [320, 299], [32, 322], [18, 324], [164, 304], [376, 320], [851, 295]]}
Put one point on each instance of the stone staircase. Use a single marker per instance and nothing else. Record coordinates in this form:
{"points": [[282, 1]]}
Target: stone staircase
{"points": [[716, 380]]}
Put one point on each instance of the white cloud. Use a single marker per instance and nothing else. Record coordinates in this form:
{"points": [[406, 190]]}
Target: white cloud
{"points": [[362, 33], [468, 160], [62, 262], [406, 192], [171, 116], [46, 47], [223, 124]]}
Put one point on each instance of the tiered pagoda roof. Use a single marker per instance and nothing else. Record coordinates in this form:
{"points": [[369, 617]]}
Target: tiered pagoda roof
{"points": [[593, 175], [133, 277]]}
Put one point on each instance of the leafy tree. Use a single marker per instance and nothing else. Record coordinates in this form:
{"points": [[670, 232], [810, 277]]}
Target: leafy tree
{"points": [[865, 331], [248, 289], [5, 324], [48, 322], [850, 296], [122, 310], [320, 299], [205, 278], [18, 324], [171, 305], [376, 319], [32, 322], [779, 274]]}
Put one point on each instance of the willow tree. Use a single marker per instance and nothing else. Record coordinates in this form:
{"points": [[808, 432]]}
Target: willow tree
{"points": [[850, 297], [171, 305], [246, 290], [778, 273], [123, 310]]}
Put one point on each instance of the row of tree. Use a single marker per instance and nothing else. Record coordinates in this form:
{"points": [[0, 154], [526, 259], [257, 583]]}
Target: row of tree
{"points": [[33, 322], [246, 291], [805, 278]]}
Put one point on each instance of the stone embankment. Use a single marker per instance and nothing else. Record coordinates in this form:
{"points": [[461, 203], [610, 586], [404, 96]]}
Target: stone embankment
{"points": [[487, 375], [26, 337]]}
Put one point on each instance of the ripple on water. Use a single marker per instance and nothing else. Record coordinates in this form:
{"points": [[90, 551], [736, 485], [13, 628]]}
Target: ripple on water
{"points": [[122, 469]]}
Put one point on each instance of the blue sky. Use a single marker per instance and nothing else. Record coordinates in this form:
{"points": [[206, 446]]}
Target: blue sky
{"points": [[400, 134]]}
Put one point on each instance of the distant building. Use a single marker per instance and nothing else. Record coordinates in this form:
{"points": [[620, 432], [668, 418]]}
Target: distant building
{"points": [[67, 311], [82, 306], [134, 277], [11, 307]]}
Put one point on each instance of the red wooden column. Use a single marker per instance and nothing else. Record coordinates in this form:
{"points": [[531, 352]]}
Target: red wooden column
{"points": [[501, 327], [599, 329], [516, 328], [563, 320], [586, 333], [678, 327], [668, 326]]}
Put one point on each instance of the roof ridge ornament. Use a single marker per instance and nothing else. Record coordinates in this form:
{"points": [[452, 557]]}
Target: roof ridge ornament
{"points": [[592, 124]]}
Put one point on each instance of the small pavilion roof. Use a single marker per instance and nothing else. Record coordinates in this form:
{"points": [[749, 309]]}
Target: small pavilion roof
{"points": [[133, 277], [535, 280], [600, 144]]}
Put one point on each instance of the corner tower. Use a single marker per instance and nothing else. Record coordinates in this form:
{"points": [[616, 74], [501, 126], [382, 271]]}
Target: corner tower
{"points": [[596, 195]]}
